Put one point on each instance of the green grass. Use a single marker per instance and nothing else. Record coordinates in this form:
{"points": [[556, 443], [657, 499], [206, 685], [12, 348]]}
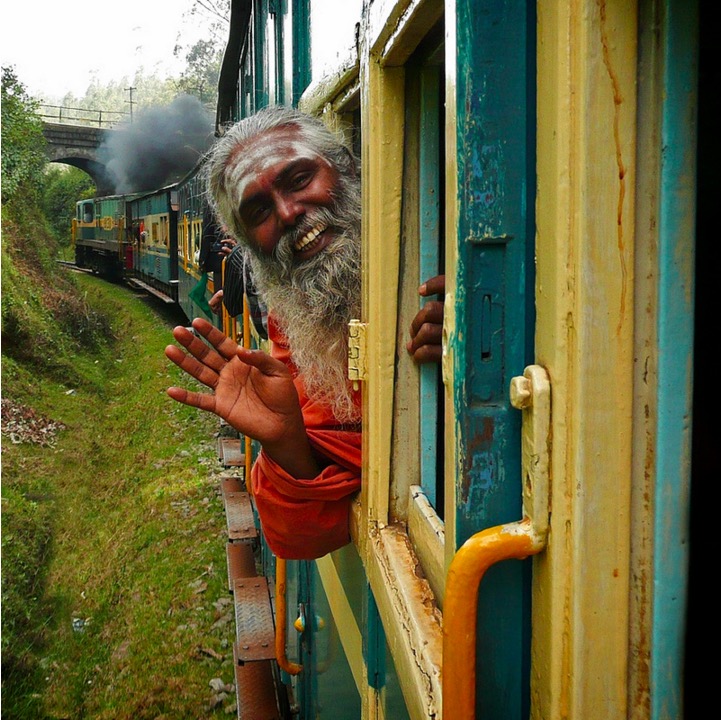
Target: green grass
{"points": [[118, 526]]}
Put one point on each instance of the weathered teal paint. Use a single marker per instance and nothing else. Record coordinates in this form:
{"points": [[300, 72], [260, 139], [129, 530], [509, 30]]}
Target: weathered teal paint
{"points": [[260, 69], [374, 644], [278, 9], [326, 687], [494, 299], [301, 47], [675, 354]]}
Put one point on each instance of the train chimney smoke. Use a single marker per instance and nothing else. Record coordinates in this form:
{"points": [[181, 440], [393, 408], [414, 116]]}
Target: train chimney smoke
{"points": [[159, 147]]}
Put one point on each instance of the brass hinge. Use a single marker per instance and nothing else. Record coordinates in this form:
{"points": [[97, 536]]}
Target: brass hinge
{"points": [[357, 352]]}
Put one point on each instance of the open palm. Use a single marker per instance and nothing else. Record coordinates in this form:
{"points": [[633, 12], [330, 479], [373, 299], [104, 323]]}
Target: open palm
{"points": [[253, 392]]}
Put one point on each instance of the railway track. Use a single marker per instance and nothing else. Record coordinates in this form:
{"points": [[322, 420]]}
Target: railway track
{"points": [[72, 266]]}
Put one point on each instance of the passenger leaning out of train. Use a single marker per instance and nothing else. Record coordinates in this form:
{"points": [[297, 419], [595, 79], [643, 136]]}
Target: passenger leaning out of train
{"points": [[289, 190]]}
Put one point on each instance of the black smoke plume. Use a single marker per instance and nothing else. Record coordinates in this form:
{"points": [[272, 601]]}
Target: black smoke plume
{"points": [[159, 147]]}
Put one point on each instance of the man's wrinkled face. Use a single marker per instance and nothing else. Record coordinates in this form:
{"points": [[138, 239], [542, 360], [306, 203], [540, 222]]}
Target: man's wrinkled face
{"points": [[279, 183]]}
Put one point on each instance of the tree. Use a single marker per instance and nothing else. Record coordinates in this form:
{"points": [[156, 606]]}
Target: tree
{"points": [[64, 186], [113, 98], [200, 78], [204, 58], [23, 142], [219, 12]]}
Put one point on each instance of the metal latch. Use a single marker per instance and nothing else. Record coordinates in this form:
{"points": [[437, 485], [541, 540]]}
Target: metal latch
{"points": [[531, 393]]}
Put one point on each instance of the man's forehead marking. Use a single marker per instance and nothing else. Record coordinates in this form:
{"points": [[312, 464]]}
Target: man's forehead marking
{"points": [[263, 152]]}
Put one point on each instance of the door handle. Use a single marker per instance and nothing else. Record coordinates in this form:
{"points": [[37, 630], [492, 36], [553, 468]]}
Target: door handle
{"points": [[530, 393]]}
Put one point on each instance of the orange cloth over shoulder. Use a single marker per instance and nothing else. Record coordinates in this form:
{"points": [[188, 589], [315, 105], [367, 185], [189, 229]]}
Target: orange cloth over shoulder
{"points": [[307, 518]]}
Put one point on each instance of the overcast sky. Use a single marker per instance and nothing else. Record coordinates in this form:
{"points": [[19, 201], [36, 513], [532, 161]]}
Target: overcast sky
{"points": [[59, 47]]}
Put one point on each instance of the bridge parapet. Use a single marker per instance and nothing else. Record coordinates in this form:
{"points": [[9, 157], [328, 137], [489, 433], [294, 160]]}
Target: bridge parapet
{"points": [[61, 138], [61, 115]]}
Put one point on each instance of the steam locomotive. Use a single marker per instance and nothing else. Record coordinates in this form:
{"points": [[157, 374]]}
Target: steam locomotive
{"points": [[513, 555]]}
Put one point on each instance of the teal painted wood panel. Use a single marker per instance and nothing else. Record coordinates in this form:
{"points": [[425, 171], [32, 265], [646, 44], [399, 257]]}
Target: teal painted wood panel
{"points": [[331, 689], [301, 47], [494, 320], [675, 355], [260, 18]]}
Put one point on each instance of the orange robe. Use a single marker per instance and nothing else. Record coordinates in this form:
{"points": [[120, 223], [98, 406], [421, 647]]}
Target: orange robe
{"points": [[303, 519]]}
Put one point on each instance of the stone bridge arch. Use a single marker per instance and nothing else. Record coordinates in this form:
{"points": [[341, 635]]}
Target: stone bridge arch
{"points": [[78, 145]]}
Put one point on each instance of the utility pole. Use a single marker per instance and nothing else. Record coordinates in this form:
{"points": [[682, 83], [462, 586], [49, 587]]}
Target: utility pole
{"points": [[130, 90]]}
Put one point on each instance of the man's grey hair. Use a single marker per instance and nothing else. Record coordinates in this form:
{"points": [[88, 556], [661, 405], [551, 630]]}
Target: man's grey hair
{"points": [[313, 131]]}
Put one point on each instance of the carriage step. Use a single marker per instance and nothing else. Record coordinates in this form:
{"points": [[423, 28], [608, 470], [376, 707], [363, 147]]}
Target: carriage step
{"points": [[241, 562], [254, 628], [140, 285], [239, 514], [231, 483], [230, 452], [255, 691]]}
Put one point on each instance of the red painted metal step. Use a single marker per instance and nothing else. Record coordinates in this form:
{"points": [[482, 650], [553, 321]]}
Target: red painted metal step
{"points": [[231, 452], [238, 512], [241, 562], [255, 691], [254, 627]]}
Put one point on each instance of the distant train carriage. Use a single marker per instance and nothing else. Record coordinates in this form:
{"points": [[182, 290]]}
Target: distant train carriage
{"points": [[154, 229]]}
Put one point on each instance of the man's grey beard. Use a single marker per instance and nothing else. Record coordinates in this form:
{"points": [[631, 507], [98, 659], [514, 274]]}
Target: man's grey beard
{"points": [[313, 302]]}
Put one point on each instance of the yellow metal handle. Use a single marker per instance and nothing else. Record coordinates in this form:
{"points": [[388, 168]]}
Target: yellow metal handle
{"points": [[530, 393], [280, 606]]}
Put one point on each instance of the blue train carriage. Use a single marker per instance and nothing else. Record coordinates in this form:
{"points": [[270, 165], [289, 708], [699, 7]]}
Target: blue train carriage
{"points": [[194, 288], [152, 258], [512, 556], [101, 236]]}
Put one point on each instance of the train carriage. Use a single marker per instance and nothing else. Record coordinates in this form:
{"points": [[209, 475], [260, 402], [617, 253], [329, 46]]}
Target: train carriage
{"points": [[520, 544], [194, 287], [153, 219]]}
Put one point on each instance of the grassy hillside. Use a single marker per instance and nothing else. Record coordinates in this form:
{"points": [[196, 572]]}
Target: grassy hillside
{"points": [[114, 591]]}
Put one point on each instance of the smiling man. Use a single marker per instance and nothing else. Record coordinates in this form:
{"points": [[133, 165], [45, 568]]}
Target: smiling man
{"points": [[292, 193], [289, 190]]}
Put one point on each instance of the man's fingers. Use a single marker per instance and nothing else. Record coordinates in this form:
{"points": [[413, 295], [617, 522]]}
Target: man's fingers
{"points": [[433, 286], [221, 342], [431, 312], [214, 358], [428, 354], [428, 334], [199, 370], [198, 349], [267, 364], [203, 401]]}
